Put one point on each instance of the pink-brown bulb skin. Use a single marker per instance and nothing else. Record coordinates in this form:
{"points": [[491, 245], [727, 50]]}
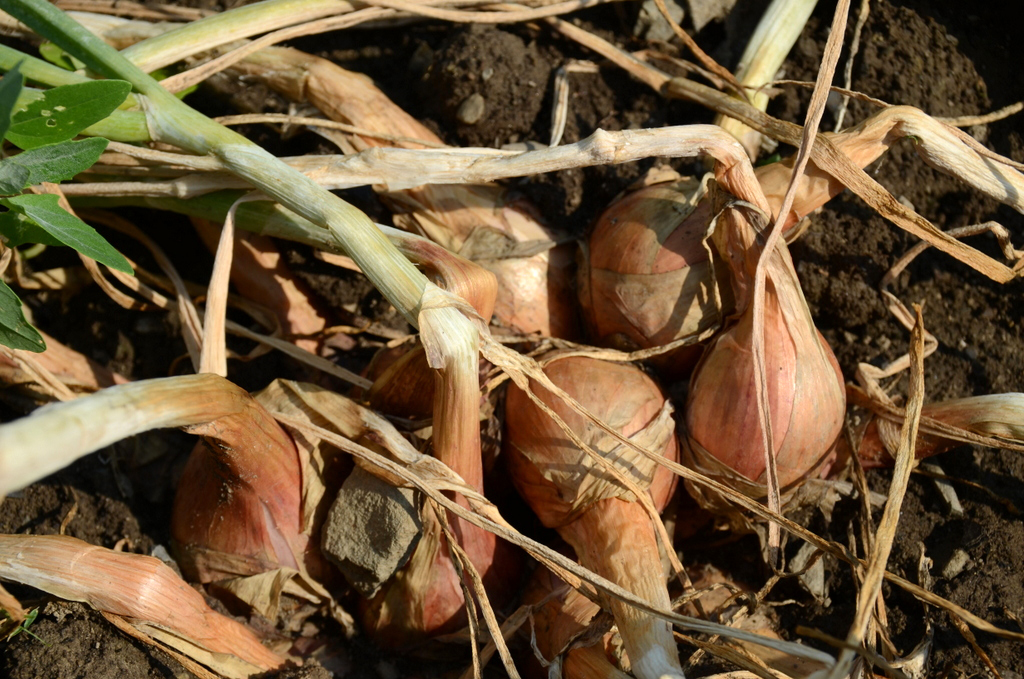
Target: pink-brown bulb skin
{"points": [[611, 533], [647, 280], [241, 495], [805, 390], [620, 394]]}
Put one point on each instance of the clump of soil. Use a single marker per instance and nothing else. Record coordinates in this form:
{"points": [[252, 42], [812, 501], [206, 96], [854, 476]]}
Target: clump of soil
{"points": [[488, 84]]}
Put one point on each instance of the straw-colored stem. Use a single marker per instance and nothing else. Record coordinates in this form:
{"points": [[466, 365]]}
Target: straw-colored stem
{"points": [[225, 27], [774, 37], [68, 431], [259, 272]]}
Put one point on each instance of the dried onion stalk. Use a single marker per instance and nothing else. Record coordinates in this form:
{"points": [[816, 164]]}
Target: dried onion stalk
{"points": [[996, 416], [140, 588]]}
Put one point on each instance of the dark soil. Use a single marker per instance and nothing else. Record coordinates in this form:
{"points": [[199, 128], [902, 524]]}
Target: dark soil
{"points": [[939, 56]]}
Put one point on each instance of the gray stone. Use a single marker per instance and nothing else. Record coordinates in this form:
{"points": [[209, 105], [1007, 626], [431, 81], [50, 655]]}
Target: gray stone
{"points": [[471, 110], [703, 12], [651, 24], [371, 530]]}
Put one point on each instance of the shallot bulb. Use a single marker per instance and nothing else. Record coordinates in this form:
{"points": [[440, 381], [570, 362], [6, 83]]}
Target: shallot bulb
{"points": [[238, 509], [610, 531], [426, 597], [646, 279], [806, 394]]}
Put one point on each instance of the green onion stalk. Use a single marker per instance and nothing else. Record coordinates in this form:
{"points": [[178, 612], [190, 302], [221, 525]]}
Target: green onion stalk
{"points": [[452, 338], [171, 121]]}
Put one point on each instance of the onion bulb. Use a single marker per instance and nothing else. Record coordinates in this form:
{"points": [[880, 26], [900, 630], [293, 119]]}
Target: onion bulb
{"points": [[646, 279], [610, 531], [238, 509], [805, 390]]}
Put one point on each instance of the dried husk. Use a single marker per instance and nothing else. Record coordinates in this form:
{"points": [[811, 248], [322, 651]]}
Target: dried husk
{"points": [[76, 371], [140, 588], [719, 599], [481, 222], [261, 275], [611, 533], [998, 416], [568, 624]]}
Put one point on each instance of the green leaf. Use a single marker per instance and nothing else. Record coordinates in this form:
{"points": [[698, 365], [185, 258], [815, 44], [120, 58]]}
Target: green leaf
{"points": [[17, 229], [13, 177], [10, 87], [59, 162], [15, 331], [65, 111], [68, 229], [58, 57]]}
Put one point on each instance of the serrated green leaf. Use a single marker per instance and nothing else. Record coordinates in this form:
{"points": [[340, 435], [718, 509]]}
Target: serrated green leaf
{"points": [[60, 162], [10, 87], [17, 229], [65, 111], [15, 331], [13, 177], [68, 229]]}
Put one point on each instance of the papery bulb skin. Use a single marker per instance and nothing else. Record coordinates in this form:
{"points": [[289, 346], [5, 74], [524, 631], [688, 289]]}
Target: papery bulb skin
{"points": [[536, 293], [481, 222], [505, 235], [240, 496], [260, 273], [805, 390], [560, 621], [403, 383], [610, 532], [646, 279], [558, 479]]}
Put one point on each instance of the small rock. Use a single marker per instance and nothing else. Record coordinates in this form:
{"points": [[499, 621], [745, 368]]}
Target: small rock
{"points": [[650, 23], [813, 578], [471, 110], [957, 564], [703, 12], [371, 530], [421, 59]]}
